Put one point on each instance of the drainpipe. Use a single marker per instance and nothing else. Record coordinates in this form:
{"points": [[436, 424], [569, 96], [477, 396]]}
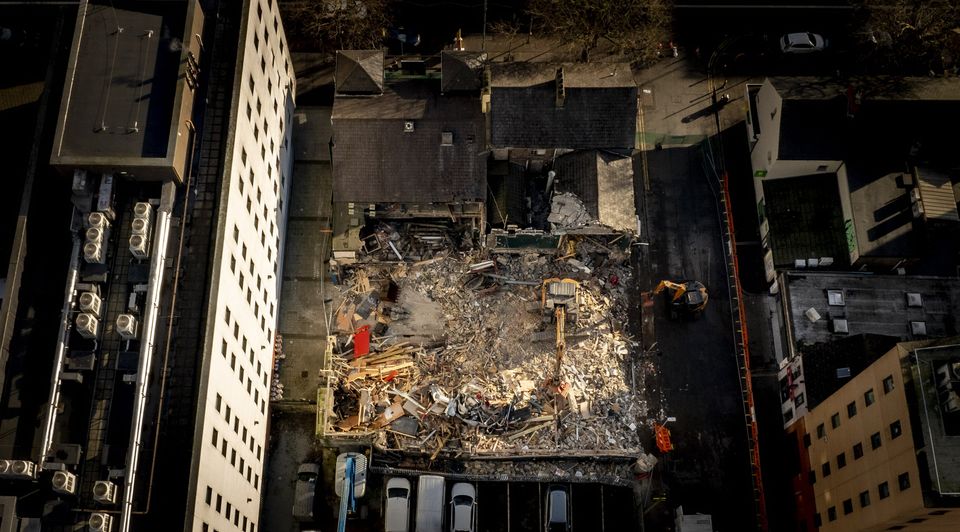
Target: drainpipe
{"points": [[148, 342], [51, 417]]}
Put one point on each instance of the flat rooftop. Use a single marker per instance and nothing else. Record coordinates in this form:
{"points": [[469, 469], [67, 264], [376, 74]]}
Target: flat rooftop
{"points": [[885, 305], [124, 103], [939, 430], [806, 219]]}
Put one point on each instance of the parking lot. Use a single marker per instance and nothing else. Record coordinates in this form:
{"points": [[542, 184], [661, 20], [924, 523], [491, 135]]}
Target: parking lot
{"points": [[503, 506]]}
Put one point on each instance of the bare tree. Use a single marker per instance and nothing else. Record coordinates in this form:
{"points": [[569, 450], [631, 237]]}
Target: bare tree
{"points": [[635, 27], [912, 33], [330, 25]]}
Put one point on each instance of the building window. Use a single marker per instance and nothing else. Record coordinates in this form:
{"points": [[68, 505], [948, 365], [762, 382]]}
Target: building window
{"points": [[875, 441], [226, 417], [832, 513], [835, 420], [825, 469], [209, 496], [233, 362], [215, 438], [812, 477], [223, 447], [847, 507], [895, 430], [817, 520], [903, 480], [821, 431], [851, 409], [229, 508], [233, 457], [251, 83], [841, 460], [888, 384], [857, 451], [868, 397], [204, 527], [864, 499], [219, 502], [884, 490]]}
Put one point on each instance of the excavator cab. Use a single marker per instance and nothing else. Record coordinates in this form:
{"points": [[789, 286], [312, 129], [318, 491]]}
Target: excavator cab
{"points": [[688, 298]]}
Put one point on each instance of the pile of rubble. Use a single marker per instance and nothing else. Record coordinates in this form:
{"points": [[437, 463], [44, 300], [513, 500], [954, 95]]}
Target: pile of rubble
{"points": [[477, 376]]}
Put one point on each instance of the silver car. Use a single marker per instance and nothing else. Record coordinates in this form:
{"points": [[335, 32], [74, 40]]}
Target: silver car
{"points": [[463, 507], [306, 491], [802, 43], [557, 518], [396, 518]]}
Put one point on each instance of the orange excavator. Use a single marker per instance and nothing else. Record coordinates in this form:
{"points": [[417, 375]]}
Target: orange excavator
{"points": [[561, 299], [688, 298]]}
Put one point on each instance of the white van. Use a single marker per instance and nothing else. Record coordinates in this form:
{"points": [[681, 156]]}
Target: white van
{"points": [[431, 491]]}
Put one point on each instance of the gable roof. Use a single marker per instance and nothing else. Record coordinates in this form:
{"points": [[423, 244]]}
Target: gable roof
{"points": [[604, 182], [599, 109], [377, 159], [359, 71], [461, 71]]}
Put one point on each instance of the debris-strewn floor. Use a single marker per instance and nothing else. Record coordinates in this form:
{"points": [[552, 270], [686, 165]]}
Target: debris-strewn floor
{"points": [[478, 379]]}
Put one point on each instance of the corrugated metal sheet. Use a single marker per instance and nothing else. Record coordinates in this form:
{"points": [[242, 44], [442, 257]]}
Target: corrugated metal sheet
{"points": [[936, 192]]}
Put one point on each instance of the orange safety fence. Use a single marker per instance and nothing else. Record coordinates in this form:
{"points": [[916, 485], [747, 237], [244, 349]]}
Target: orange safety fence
{"points": [[744, 353]]}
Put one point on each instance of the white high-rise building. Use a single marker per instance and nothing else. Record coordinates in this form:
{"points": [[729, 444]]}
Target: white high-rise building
{"points": [[226, 477]]}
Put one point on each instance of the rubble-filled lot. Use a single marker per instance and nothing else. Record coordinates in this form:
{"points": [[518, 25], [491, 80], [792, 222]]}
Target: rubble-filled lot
{"points": [[462, 355]]}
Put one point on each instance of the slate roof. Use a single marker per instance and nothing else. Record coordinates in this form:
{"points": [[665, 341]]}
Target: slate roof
{"points": [[375, 160], [822, 360], [600, 108], [461, 70], [359, 71], [604, 182]]}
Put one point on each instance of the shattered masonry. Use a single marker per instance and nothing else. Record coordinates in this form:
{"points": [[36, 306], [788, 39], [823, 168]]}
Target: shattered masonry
{"points": [[461, 353]]}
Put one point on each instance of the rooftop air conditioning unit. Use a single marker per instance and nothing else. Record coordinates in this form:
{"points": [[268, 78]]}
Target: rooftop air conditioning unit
{"points": [[90, 303], [64, 482], [138, 246], [95, 235], [18, 469], [87, 325], [918, 209], [127, 326], [105, 492], [97, 220], [93, 252], [140, 226], [100, 522], [914, 195], [142, 210]]}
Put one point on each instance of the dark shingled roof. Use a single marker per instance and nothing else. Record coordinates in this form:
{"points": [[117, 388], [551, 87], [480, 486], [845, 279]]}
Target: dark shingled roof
{"points": [[821, 361], [359, 71], [604, 182], [461, 71], [375, 160], [806, 219], [599, 110]]}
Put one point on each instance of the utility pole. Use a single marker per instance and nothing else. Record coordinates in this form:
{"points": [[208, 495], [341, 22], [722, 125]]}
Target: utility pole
{"points": [[483, 40]]}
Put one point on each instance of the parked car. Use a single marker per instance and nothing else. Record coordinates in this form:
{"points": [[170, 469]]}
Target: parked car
{"points": [[558, 516], [396, 518], [463, 507], [431, 490], [306, 491], [802, 43]]}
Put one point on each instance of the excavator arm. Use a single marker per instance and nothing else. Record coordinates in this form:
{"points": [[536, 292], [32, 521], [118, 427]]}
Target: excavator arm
{"points": [[560, 316], [678, 289]]}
